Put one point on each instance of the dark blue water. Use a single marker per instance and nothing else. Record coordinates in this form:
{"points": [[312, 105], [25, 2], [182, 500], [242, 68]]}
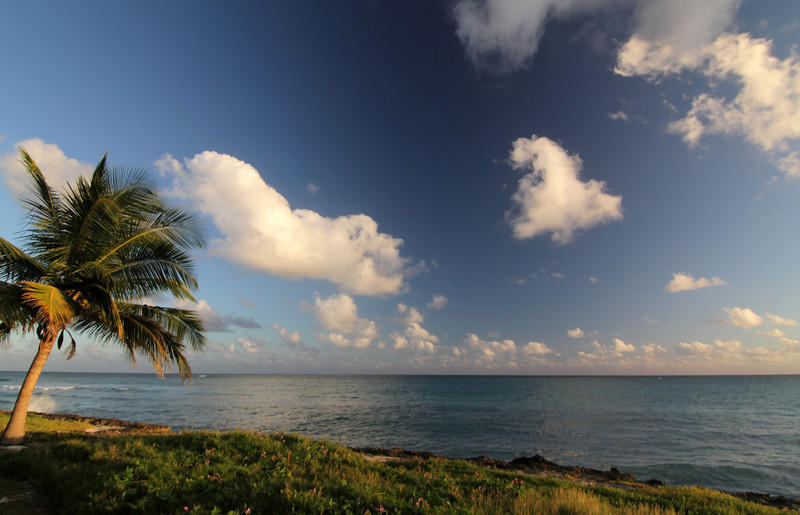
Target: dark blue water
{"points": [[732, 433]]}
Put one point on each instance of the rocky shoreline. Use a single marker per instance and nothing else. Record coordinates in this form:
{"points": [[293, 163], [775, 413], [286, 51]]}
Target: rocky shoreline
{"points": [[540, 465], [104, 425]]}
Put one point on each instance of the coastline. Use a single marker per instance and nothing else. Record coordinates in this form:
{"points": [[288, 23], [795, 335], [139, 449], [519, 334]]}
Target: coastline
{"points": [[531, 465]]}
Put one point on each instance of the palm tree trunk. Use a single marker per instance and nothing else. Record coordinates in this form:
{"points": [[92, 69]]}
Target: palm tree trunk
{"points": [[15, 430]]}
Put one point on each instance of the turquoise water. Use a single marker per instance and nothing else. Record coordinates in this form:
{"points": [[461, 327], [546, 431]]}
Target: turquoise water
{"points": [[732, 433]]}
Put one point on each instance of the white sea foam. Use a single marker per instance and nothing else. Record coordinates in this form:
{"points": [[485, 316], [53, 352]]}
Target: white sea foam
{"points": [[42, 404]]}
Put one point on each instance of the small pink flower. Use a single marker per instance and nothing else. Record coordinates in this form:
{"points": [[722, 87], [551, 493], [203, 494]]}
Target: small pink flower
{"points": [[247, 511], [185, 508]]}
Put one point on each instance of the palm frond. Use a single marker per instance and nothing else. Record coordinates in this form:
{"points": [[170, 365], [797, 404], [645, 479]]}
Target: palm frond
{"points": [[14, 314], [144, 336], [183, 324], [16, 265], [96, 298], [169, 227], [52, 307], [44, 204]]}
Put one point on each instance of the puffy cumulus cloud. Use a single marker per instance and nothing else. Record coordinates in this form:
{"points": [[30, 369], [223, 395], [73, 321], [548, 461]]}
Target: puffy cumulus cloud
{"points": [[734, 346], [575, 333], [501, 36], [765, 110], [607, 353], [437, 302], [551, 198], [414, 336], [410, 315], [338, 314], [491, 349], [620, 347], [652, 349], [779, 320], [686, 282], [695, 348], [292, 338], [419, 338], [744, 317], [537, 349], [670, 35], [399, 341], [57, 168], [248, 346], [213, 321], [260, 229]]}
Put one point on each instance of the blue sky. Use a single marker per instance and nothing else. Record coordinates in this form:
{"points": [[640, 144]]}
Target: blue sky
{"points": [[473, 186]]}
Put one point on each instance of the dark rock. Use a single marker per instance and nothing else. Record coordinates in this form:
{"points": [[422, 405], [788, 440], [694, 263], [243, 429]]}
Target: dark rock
{"points": [[531, 460]]}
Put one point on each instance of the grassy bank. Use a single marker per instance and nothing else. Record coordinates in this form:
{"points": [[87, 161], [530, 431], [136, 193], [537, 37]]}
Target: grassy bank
{"points": [[243, 472]]}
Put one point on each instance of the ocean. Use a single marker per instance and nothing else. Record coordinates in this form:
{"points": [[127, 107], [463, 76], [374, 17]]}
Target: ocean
{"points": [[732, 433]]}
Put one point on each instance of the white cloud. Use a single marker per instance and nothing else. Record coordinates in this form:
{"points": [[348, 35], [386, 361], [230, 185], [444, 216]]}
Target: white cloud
{"points": [[743, 317], [694, 348], [292, 338], [414, 336], [419, 338], [733, 346], [559, 275], [552, 198], [790, 345], [686, 282], [575, 333], [437, 302], [651, 349], [765, 110], [57, 168], [619, 116], [491, 349], [400, 341], [338, 314], [776, 333], [501, 36], [594, 280], [410, 315], [248, 346], [312, 188], [260, 230], [620, 347], [607, 353], [537, 349], [779, 320]]}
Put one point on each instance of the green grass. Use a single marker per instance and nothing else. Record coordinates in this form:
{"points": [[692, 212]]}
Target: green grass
{"points": [[39, 424], [207, 472]]}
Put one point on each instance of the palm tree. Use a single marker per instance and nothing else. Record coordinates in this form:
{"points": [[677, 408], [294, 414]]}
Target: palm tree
{"points": [[92, 254]]}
